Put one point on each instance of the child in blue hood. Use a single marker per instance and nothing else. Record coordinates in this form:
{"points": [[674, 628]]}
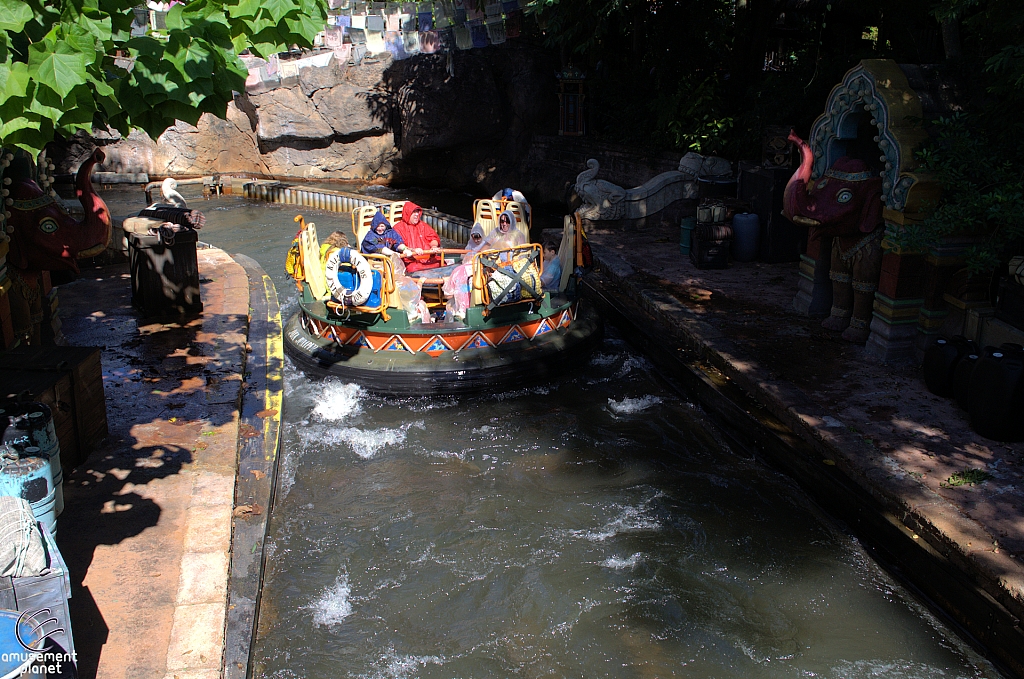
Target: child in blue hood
{"points": [[381, 238]]}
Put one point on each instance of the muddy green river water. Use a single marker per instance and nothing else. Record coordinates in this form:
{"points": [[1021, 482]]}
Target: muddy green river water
{"points": [[597, 526]]}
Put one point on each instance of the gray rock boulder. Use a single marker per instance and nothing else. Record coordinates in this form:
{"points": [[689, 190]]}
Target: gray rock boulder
{"points": [[370, 72], [312, 80], [285, 115], [352, 110], [362, 159]]}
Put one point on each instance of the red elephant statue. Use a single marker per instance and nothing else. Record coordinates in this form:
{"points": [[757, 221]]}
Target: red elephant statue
{"points": [[45, 237], [844, 209]]}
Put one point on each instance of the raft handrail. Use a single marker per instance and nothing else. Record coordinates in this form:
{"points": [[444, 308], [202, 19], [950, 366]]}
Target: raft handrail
{"points": [[446, 225], [486, 259]]}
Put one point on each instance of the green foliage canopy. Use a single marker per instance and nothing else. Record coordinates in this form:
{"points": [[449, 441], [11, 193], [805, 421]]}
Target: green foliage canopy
{"points": [[978, 155], [983, 194], [70, 65]]}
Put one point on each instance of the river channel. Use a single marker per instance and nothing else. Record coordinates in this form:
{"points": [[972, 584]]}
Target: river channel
{"points": [[597, 526]]}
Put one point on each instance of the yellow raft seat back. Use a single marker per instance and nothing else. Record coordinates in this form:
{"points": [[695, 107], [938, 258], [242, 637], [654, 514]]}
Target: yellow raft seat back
{"points": [[362, 217], [385, 266], [487, 211], [484, 214], [394, 211], [313, 269]]}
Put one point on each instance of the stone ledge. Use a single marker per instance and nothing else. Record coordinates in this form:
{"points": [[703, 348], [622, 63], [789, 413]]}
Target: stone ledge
{"points": [[918, 511]]}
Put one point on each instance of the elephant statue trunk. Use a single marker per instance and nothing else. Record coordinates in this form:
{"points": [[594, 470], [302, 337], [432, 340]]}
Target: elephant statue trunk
{"points": [[799, 182], [97, 225], [46, 237], [843, 209]]}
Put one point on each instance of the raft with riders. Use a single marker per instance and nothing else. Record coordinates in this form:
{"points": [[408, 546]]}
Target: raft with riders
{"points": [[400, 314]]}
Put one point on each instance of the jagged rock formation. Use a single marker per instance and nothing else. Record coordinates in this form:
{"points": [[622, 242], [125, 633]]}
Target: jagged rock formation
{"points": [[383, 120]]}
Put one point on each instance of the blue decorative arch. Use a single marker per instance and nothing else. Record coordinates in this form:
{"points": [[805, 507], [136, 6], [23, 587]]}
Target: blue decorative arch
{"points": [[861, 94]]}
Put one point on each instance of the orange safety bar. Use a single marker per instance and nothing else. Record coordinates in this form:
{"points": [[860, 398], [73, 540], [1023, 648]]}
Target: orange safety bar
{"points": [[478, 279], [578, 243]]}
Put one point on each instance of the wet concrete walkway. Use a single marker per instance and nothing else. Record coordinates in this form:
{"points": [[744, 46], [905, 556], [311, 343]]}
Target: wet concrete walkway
{"points": [[146, 530], [875, 424]]}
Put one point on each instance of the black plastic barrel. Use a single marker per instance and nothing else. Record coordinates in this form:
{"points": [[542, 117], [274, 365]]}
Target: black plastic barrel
{"points": [[996, 394], [962, 379], [164, 272], [940, 361]]}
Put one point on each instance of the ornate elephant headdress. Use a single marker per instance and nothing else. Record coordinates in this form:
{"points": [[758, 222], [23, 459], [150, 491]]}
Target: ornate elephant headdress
{"points": [[851, 170]]}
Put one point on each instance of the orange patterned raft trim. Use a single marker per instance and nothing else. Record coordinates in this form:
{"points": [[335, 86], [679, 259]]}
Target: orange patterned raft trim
{"points": [[436, 345]]}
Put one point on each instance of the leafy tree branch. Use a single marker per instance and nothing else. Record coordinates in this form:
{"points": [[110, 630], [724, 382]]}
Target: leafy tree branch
{"points": [[73, 65]]}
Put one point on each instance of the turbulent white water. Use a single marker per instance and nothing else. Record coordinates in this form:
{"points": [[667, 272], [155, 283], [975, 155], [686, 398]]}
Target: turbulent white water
{"points": [[592, 527], [586, 531], [337, 401], [332, 606], [628, 406]]}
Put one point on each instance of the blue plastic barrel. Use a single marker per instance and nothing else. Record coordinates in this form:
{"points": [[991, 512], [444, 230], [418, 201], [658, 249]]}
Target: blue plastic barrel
{"points": [[31, 432], [746, 228], [686, 234], [43, 435], [30, 479]]}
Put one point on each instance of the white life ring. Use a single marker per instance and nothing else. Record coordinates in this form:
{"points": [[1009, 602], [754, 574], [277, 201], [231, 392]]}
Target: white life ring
{"points": [[342, 295]]}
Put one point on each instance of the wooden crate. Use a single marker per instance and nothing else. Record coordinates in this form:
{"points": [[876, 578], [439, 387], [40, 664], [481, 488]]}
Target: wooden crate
{"points": [[72, 378]]}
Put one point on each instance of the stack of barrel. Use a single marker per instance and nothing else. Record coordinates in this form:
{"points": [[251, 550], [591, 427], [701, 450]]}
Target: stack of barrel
{"points": [[30, 460], [988, 384], [711, 238], [30, 471]]}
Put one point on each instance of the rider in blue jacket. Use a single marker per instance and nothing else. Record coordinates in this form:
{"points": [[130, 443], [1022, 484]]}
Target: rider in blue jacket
{"points": [[381, 238]]}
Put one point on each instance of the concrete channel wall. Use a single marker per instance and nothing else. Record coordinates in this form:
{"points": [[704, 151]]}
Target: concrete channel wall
{"points": [[921, 541], [259, 440]]}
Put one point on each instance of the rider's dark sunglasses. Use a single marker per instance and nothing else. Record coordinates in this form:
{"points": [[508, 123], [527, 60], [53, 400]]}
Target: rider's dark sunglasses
{"points": [[477, 236]]}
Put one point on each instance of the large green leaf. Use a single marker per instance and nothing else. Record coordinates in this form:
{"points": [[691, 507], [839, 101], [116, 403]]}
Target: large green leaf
{"points": [[15, 79], [245, 8], [99, 85], [14, 14], [146, 46], [278, 9], [46, 103], [61, 72], [67, 80], [305, 27], [174, 20], [15, 123]]}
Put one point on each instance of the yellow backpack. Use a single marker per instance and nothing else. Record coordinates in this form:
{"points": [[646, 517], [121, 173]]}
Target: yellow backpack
{"points": [[293, 261]]}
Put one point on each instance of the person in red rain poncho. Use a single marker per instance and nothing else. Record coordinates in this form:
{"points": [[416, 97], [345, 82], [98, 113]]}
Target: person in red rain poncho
{"points": [[418, 235]]}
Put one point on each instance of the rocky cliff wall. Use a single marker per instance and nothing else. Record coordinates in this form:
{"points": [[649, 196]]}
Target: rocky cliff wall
{"points": [[461, 121]]}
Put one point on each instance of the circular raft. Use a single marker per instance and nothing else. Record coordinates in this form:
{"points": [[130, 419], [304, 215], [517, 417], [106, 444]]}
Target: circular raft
{"points": [[449, 360]]}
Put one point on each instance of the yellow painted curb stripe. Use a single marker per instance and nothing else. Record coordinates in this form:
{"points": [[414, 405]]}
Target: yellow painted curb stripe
{"points": [[274, 394]]}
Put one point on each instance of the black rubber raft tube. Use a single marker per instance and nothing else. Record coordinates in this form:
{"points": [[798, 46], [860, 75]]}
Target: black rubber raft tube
{"points": [[512, 366]]}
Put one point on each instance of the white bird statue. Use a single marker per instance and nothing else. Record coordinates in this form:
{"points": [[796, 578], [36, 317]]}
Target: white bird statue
{"points": [[170, 195]]}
